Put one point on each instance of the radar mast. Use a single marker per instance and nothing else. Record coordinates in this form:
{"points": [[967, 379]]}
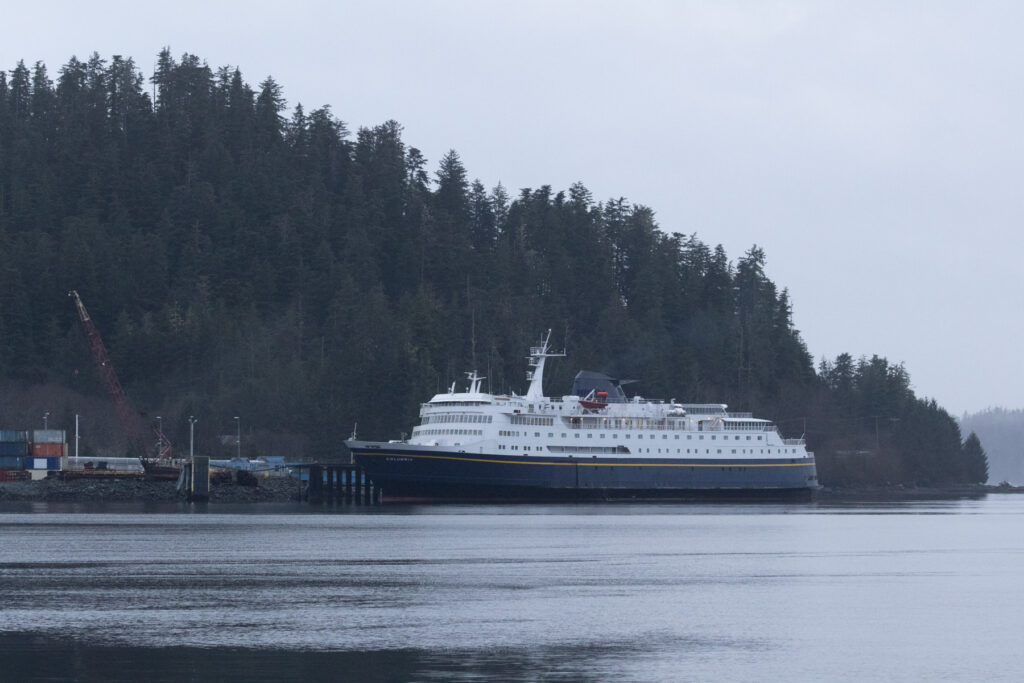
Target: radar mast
{"points": [[535, 374]]}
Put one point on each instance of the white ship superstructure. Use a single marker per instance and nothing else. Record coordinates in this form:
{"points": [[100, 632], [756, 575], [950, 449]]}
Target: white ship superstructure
{"points": [[479, 422]]}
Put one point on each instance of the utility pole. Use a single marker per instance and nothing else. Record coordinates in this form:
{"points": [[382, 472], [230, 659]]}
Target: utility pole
{"points": [[191, 437], [46, 416], [238, 437]]}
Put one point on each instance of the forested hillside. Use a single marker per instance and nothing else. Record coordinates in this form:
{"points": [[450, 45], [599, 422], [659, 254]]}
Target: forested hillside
{"points": [[244, 258]]}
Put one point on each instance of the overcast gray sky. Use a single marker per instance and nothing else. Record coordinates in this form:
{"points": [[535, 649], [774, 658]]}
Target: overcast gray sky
{"points": [[873, 149]]}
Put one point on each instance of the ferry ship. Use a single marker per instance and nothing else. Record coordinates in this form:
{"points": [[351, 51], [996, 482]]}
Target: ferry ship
{"points": [[593, 444]]}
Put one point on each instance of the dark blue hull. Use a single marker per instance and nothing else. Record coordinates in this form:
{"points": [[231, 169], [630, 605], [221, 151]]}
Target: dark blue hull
{"points": [[409, 472]]}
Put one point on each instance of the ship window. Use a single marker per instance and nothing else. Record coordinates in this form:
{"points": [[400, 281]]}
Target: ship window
{"points": [[758, 438], [627, 436], [563, 435], [664, 436], [536, 433], [748, 438], [719, 450], [602, 436], [734, 451], [712, 437], [550, 434], [577, 435], [737, 437], [677, 437]]}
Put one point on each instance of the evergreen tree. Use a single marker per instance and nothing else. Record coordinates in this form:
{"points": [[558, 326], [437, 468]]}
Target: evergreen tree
{"points": [[975, 460]]}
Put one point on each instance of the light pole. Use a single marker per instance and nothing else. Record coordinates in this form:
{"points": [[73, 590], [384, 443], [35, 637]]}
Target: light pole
{"points": [[191, 436], [238, 437], [159, 436], [46, 416]]}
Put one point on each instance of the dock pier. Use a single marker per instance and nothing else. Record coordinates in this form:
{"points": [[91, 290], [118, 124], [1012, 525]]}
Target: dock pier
{"points": [[341, 483]]}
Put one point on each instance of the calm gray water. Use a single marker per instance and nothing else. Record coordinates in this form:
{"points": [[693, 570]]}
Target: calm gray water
{"points": [[911, 591]]}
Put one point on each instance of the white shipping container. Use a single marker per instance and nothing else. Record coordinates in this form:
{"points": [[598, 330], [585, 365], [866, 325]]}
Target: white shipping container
{"points": [[48, 436]]}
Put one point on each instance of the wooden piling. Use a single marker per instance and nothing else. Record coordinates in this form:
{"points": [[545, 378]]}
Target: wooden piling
{"points": [[329, 483], [315, 487], [199, 481]]}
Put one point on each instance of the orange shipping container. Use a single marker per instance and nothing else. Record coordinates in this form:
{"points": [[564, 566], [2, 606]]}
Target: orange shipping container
{"points": [[49, 450]]}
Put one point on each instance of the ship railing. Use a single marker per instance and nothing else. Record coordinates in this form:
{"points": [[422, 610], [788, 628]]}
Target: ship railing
{"points": [[742, 416], [793, 442], [670, 428]]}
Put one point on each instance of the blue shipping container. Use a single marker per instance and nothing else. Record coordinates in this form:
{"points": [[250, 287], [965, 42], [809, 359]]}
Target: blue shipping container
{"points": [[11, 462], [10, 435], [13, 448], [42, 463]]}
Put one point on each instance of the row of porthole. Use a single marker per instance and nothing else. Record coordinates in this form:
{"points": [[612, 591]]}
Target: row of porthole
{"points": [[449, 432]]}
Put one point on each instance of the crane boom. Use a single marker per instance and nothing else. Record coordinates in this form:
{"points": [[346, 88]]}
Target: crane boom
{"points": [[129, 418]]}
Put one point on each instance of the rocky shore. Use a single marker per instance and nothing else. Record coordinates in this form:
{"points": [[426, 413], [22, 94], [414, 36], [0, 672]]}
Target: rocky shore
{"points": [[898, 492], [138, 489]]}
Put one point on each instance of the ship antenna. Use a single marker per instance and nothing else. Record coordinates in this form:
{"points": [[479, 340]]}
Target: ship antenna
{"points": [[354, 426]]}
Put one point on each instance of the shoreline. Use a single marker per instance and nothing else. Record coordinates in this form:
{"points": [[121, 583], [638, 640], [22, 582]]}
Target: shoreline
{"points": [[287, 489], [141, 490], [899, 492]]}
